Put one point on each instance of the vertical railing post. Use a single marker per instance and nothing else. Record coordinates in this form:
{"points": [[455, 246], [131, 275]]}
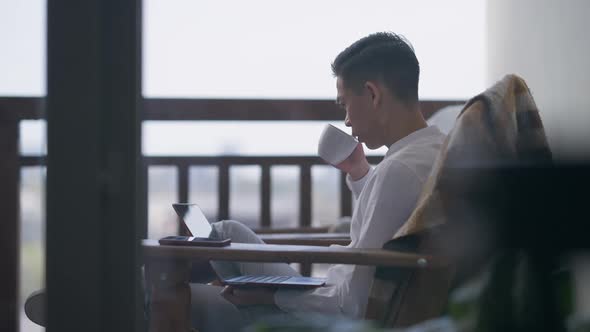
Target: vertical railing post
{"points": [[305, 196], [143, 199], [182, 180], [305, 206], [265, 193], [345, 197], [223, 200], [182, 183]]}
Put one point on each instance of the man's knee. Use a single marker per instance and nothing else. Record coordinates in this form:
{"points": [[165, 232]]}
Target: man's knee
{"points": [[227, 228], [229, 225], [236, 231]]}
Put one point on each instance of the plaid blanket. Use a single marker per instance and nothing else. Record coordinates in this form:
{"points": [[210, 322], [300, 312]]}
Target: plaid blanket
{"points": [[499, 127]]}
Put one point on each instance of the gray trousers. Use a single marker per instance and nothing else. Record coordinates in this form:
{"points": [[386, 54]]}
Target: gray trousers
{"points": [[210, 311]]}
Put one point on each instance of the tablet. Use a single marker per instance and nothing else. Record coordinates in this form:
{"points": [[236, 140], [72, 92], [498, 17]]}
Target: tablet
{"points": [[197, 225]]}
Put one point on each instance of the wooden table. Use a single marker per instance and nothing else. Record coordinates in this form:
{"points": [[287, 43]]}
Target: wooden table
{"points": [[167, 270]]}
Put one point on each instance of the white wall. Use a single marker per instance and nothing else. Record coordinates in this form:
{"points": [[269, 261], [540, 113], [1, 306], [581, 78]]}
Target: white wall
{"points": [[546, 42]]}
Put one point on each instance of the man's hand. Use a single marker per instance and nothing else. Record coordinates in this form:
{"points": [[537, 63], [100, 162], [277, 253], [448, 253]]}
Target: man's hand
{"points": [[215, 282], [248, 296], [356, 164]]}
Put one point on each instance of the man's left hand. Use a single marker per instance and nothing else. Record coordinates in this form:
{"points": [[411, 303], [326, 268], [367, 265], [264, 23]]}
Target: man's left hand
{"points": [[240, 296]]}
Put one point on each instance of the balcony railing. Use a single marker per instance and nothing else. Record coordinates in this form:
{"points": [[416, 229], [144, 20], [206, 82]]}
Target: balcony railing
{"points": [[14, 110]]}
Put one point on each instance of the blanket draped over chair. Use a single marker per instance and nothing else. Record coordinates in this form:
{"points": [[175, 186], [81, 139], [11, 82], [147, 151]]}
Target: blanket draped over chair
{"points": [[500, 126]]}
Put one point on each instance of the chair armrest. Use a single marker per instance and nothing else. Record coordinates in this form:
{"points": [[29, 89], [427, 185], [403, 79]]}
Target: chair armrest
{"points": [[247, 252], [298, 230], [309, 239]]}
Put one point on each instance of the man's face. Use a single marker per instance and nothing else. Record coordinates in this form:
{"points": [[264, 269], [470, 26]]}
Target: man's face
{"points": [[359, 113]]}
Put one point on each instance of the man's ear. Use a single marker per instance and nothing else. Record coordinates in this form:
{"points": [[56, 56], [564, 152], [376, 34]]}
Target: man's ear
{"points": [[374, 92]]}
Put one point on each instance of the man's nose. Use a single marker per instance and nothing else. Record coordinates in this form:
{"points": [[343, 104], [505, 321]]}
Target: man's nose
{"points": [[347, 121]]}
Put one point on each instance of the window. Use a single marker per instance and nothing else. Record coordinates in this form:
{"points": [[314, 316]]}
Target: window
{"points": [[22, 64], [22, 36]]}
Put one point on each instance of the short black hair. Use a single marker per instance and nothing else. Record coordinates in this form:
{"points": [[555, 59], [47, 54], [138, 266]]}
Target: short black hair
{"points": [[383, 56]]}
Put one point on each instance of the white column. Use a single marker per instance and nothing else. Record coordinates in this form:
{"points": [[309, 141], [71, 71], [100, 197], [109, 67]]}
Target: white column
{"points": [[547, 43]]}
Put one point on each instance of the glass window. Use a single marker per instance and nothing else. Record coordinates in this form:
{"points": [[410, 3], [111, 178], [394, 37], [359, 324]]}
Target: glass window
{"points": [[203, 189], [32, 239], [33, 137], [162, 192], [22, 59], [284, 196], [245, 195], [23, 74], [325, 196]]}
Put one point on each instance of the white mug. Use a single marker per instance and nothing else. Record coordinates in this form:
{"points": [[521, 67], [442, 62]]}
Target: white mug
{"points": [[335, 145]]}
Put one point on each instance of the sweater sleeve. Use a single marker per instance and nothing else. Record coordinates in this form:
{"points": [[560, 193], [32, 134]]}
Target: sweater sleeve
{"points": [[388, 201], [357, 186]]}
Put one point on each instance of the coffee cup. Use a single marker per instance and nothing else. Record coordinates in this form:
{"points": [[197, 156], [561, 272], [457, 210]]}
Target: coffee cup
{"points": [[335, 145]]}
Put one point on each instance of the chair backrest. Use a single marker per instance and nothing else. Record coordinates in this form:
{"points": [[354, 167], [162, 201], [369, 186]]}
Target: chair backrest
{"points": [[498, 127]]}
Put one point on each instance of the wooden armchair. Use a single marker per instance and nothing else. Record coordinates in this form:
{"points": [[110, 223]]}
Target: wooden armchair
{"points": [[410, 283]]}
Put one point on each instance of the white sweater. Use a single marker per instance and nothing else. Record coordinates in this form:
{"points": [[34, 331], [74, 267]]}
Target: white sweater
{"points": [[386, 197]]}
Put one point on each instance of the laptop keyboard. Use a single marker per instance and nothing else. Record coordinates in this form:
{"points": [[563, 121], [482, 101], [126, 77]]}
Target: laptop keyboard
{"points": [[261, 279]]}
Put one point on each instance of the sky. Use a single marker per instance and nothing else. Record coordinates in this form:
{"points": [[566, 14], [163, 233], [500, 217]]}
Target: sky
{"points": [[265, 49]]}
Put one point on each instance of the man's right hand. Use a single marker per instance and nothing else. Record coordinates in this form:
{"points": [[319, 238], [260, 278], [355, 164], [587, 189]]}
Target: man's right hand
{"points": [[356, 165], [216, 282]]}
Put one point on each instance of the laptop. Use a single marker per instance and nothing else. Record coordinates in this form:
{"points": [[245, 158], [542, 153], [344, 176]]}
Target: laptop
{"points": [[195, 221]]}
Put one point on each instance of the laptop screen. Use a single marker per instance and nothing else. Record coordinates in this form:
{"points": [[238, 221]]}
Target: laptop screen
{"points": [[194, 219]]}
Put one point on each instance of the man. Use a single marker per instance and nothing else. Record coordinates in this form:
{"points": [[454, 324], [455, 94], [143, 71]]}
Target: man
{"points": [[377, 86]]}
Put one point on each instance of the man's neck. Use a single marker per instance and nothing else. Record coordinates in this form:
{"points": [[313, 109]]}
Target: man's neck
{"points": [[410, 121]]}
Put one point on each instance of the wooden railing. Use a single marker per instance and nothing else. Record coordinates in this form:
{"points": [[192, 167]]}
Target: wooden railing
{"points": [[223, 164], [14, 110]]}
